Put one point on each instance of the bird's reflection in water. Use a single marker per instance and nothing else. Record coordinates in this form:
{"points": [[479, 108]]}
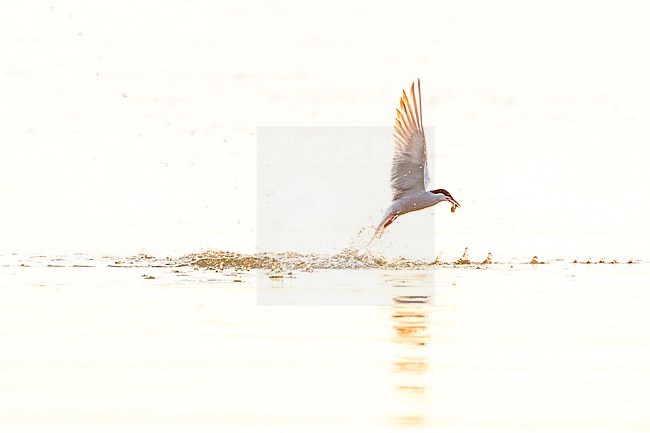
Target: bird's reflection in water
{"points": [[410, 321]]}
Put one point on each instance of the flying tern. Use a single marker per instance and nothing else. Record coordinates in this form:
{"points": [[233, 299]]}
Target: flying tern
{"points": [[409, 175]]}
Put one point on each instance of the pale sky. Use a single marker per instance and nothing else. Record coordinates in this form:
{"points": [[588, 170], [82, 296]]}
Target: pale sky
{"points": [[131, 126]]}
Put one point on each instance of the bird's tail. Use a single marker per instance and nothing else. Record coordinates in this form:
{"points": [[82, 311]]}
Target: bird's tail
{"points": [[386, 221], [377, 235]]}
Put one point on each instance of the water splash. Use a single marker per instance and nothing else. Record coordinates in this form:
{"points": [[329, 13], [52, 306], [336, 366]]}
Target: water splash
{"points": [[464, 259], [280, 264], [488, 260], [348, 258]]}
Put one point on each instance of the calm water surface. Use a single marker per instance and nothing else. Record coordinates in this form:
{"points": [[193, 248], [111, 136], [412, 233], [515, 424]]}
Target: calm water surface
{"points": [[506, 348]]}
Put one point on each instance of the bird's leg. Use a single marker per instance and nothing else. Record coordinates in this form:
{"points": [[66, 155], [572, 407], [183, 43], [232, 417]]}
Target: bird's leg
{"points": [[381, 228], [383, 225], [389, 221]]}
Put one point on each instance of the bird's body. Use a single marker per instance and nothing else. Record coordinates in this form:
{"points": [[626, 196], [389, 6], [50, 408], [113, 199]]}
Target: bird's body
{"points": [[409, 172]]}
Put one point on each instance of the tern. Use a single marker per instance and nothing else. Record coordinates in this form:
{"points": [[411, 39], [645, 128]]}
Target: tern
{"points": [[409, 175]]}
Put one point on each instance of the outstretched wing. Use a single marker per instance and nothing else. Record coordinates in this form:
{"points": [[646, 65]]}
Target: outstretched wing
{"points": [[409, 171]]}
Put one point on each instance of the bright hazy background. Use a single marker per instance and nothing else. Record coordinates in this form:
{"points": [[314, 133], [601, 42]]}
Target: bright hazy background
{"points": [[131, 126]]}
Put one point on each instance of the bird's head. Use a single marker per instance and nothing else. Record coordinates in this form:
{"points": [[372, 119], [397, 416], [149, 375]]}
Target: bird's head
{"points": [[446, 196]]}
